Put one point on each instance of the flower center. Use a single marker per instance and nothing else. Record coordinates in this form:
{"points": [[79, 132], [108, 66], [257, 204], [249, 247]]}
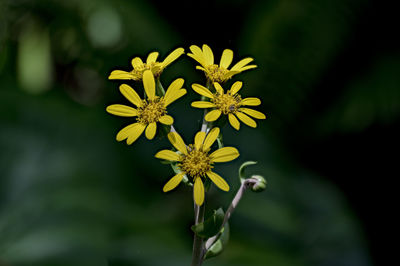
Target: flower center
{"points": [[227, 103], [151, 111], [216, 73], [196, 163], [154, 67]]}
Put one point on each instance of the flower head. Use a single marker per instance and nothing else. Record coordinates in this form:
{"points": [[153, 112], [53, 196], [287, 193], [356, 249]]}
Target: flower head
{"points": [[218, 73], [151, 64], [229, 103], [195, 162], [148, 112]]}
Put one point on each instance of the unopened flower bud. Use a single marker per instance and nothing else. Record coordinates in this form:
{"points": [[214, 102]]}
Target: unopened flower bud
{"points": [[260, 185]]}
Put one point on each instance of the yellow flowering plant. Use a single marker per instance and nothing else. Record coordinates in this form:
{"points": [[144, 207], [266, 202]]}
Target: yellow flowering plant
{"points": [[193, 164]]}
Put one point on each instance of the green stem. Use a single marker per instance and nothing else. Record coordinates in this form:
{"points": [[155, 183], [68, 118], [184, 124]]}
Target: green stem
{"points": [[198, 243]]}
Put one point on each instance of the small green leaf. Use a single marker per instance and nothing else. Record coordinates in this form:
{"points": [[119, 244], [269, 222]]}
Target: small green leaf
{"points": [[219, 244], [211, 226], [242, 168]]}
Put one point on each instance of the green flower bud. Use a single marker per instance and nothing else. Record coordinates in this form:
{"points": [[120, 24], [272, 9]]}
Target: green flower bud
{"points": [[260, 185]]}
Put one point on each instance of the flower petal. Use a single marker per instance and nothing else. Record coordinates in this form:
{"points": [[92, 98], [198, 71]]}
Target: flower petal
{"points": [[218, 181], [251, 101], [226, 58], [177, 141], [149, 84], [224, 154], [247, 68], [208, 55], [151, 130], [247, 120], [130, 94], [241, 63], [166, 120], [196, 50], [236, 87], [152, 58], [218, 88], [199, 59], [198, 139], [121, 110], [253, 113], [202, 90], [174, 96], [168, 155], [211, 138], [198, 191], [173, 56], [212, 116], [202, 104], [173, 87], [119, 74], [233, 121], [173, 182], [132, 132], [137, 63]]}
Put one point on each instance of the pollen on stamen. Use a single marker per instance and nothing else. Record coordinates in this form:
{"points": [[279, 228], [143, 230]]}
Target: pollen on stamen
{"points": [[227, 103], [151, 111], [216, 73], [196, 163]]}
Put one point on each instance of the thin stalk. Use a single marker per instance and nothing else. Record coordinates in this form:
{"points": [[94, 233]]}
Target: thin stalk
{"points": [[198, 245]]}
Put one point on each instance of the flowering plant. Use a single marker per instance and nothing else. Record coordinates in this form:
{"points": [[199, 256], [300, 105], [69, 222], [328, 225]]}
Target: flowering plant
{"points": [[193, 164]]}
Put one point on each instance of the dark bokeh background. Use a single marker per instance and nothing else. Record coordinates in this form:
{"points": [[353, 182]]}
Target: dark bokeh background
{"points": [[329, 79]]}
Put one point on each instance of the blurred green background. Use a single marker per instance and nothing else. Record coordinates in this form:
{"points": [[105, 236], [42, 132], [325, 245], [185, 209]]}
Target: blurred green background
{"points": [[329, 80]]}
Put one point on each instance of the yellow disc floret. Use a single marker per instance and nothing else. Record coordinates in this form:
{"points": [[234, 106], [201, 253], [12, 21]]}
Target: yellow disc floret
{"points": [[196, 163], [216, 73], [138, 71], [151, 110], [227, 103]]}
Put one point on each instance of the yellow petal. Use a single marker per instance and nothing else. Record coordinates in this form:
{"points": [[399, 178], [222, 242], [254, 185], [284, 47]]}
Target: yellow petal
{"points": [[202, 90], [198, 191], [253, 113], [137, 63], [168, 155], [201, 68], [174, 96], [196, 50], [132, 132], [173, 87], [218, 181], [213, 115], [151, 130], [149, 84], [177, 141], [233, 121], [218, 88], [247, 120], [199, 59], [226, 58], [229, 74], [152, 58], [130, 94], [251, 101], [121, 110], [241, 63], [247, 68], [119, 74], [173, 56], [224, 154], [166, 120], [198, 139], [202, 104], [208, 55], [173, 182], [236, 87], [211, 138]]}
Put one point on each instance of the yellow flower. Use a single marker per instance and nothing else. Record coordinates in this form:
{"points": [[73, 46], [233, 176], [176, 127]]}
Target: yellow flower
{"points": [[151, 64], [149, 111], [195, 162], [229, 103], [218, 73]]}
